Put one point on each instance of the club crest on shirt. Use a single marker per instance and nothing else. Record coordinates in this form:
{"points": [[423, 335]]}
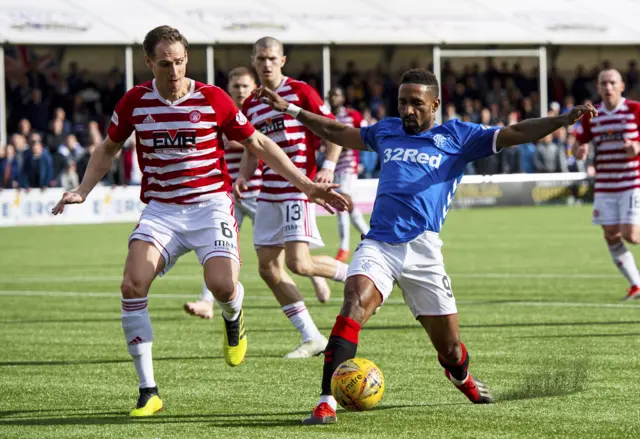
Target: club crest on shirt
{"points": [[241, 118], [439, 140], [195, 116]]}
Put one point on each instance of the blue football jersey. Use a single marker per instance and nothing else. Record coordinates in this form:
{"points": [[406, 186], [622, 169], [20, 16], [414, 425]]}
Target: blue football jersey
{"points": [[420, 174]]}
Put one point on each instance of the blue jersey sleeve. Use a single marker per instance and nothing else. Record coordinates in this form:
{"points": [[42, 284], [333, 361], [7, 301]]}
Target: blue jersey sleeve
{"points": [[476, 141], [369, 137]]}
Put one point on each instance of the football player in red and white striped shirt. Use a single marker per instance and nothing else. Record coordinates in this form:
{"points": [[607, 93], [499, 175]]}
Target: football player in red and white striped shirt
{"points": [[178, 122], [616, 205], [346, 173], [285, 226]]}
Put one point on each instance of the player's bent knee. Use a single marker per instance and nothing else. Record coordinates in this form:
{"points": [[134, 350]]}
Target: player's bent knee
{"points": [[269, 271], [222, 289], [299, 267], [133, 289]]}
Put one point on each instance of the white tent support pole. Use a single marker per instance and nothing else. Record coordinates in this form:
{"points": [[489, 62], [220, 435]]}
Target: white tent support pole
{"points": [[326, 70], [437, 69], [542, 73], [128, 67], [3, 101], [211, 72]]}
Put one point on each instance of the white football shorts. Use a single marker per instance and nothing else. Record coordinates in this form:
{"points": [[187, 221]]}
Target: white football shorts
{"points": [[207, 228], [286, 221], [245, 208], [416, 266], [616, 208]]}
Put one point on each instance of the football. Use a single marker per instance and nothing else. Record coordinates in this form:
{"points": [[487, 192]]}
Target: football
{"points": [[357, 384]]}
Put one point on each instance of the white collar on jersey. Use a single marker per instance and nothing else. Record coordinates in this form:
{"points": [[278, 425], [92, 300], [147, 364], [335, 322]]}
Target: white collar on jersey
{"points": [[604, 110], [192, 86]]}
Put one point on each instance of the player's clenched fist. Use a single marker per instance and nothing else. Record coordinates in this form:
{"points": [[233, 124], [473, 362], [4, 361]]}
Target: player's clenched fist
{"points": [[579, 111], [631, 147], [271, 98], [73, 197]]}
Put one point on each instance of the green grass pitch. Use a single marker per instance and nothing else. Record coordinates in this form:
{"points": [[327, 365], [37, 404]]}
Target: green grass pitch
{"points": [[540, 310]]}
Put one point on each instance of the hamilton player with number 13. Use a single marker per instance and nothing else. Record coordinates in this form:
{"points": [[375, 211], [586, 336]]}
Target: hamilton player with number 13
{"points": [[422, 165]]}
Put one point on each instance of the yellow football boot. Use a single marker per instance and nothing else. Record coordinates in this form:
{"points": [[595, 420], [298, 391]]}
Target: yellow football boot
{"points": [[234, 345], [149, 403]]}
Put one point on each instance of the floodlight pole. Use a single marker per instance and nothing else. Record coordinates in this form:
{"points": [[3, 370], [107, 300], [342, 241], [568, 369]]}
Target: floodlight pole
{"points": [[211, 72], [3, 100], [326, 70], [128, 67]]}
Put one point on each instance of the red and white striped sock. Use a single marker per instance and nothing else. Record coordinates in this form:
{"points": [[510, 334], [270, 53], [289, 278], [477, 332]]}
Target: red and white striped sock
{"points": [[138, 335], [298, 315]]}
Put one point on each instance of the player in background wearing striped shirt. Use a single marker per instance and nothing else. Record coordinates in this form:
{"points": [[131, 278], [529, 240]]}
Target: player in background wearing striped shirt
{"points": [[241, 83], [285, 226], [346, 173], [178, 123], [616, 204]]}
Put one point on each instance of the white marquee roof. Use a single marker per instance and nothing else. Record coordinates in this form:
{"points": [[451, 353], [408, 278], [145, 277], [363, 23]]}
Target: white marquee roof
{"points": [[583, 22]]}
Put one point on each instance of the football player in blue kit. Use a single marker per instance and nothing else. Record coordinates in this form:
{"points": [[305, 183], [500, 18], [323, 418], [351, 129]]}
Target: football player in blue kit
{"points": [[422, 166]]}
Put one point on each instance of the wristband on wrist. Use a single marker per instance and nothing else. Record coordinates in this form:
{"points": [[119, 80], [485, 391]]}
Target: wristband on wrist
{"points": [[328, 164], [293, 110]]}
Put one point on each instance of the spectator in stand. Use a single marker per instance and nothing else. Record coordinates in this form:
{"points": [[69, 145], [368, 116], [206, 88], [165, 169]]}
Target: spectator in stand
{"points": [[368, 159], [549, 156], [9, 167], [61, 99], [38, 111], [450, 112], [38, 167], [55, 137], [71, 148], [24, 128], [68, 179], [510, 157], [20, 145]]}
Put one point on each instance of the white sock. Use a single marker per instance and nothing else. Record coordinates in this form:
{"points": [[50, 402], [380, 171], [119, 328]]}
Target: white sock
{"points": [[138, 334], [625, 262], [301, 319], [358, 220], [344, 230], [341, 272], [206, 295], [231, 310], [329, 399]]}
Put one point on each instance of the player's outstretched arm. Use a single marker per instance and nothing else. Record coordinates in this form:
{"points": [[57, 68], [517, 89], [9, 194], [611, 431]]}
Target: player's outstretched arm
{"points": [[99, 164], [325, 128], [270, 153], [531, 130]]}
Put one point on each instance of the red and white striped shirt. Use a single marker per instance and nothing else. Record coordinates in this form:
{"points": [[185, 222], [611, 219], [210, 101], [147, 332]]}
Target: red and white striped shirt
{"points": [[615, 172], [233, 157], [348, 160], [298, 142], [177, 142]]}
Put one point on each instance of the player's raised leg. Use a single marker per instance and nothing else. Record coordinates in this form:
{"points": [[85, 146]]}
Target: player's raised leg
{"points": [[144, 263], [221, 278], [272, 271], [361, 298], [444, 333]]}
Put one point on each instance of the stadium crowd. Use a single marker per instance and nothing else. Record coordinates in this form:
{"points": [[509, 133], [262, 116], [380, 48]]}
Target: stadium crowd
{"points": [[54, 128]]}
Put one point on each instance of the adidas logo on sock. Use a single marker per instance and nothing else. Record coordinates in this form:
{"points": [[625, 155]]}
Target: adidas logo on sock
{"points": [[149, 119], [136, 340]]}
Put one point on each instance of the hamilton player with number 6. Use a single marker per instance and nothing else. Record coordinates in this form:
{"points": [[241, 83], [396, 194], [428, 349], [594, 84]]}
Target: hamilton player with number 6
{"points": [[616, 205], [178, 123]]}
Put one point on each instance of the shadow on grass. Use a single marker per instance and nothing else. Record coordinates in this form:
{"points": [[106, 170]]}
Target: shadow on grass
{"points": [[223, 420], [127, 361], [555, 379]]}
